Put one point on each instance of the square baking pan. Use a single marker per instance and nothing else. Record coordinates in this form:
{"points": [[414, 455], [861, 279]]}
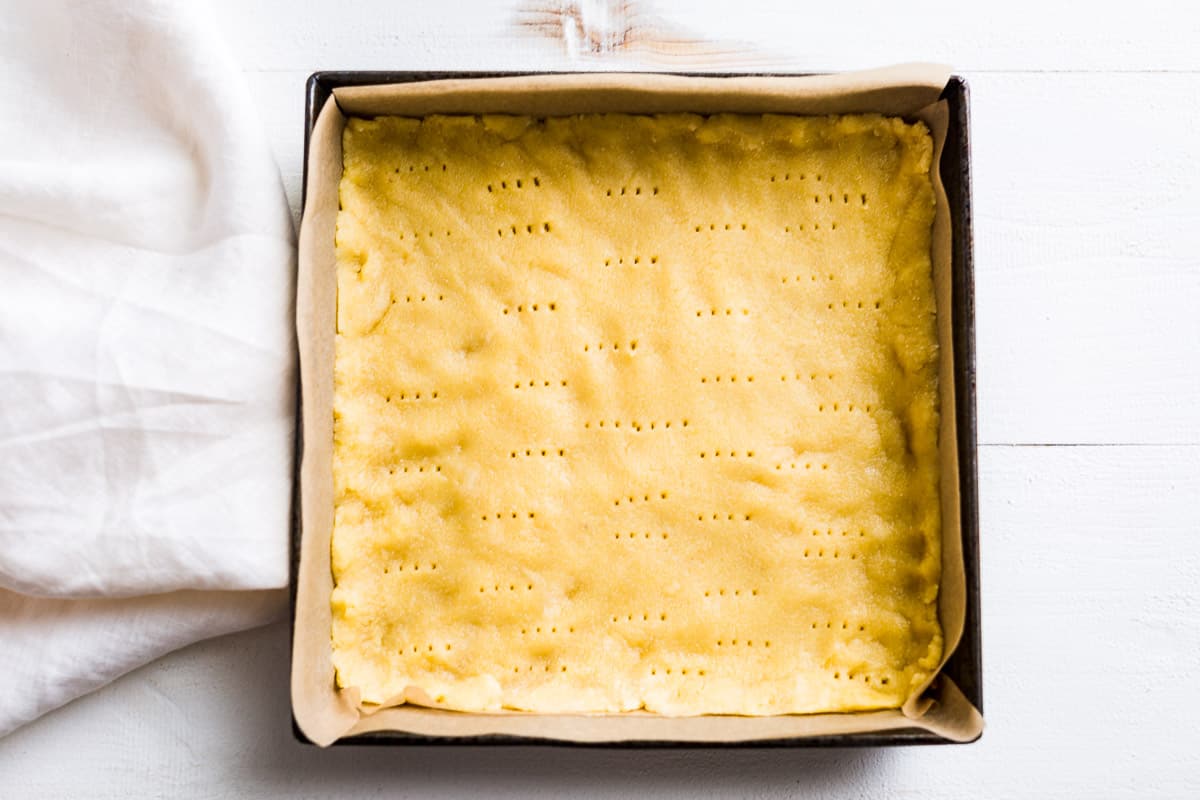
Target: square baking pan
{"points": [[964, 667]]}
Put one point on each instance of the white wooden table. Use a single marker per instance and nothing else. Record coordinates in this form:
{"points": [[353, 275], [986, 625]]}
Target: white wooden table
{"points": [[1087, 240]]}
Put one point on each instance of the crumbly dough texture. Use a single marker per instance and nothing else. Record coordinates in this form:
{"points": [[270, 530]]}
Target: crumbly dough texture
{"points": [[636, 412]]}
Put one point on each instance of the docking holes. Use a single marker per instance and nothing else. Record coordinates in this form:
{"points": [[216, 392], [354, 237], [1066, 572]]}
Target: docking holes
{"points": [[514, 184], [719, 516], [640, 616], [426, 648], [528, 228], [423, 234], [511, 586], [645, 497], [723, 591], [720, 226], [630, 261], [677, 670], [530, 308], [538, 452], [542, 384], [418, 298], [796, 466], [413, 567], [631, 191], [865, 677], [811, 376], [854, 305], [541, 667], [800, 227], [810, 278], [845, 408], [599, 347], [414, 168], [547, 630], [634, 426], [410, 397], [419, 469], [497, 516], [751, 643]]}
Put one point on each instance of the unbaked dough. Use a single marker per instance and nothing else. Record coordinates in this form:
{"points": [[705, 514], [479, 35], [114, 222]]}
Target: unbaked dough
{"points": [[636, 412]]}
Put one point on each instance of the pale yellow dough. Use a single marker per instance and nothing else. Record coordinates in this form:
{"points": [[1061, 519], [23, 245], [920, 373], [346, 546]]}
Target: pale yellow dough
{"points": [[636, 412]]}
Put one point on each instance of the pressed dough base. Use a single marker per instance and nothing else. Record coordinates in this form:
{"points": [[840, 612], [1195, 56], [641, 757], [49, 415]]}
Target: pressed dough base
{"points": [[636, 412]]}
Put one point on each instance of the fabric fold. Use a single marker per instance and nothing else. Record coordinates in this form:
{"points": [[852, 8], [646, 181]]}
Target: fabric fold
{"points": [[56, 650]]}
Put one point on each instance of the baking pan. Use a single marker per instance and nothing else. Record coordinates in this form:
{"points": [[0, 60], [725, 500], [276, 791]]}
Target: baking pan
{"points": [[964, 666]]}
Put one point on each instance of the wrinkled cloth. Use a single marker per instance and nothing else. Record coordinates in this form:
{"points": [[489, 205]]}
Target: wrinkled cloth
{"points": [[147, 350]]}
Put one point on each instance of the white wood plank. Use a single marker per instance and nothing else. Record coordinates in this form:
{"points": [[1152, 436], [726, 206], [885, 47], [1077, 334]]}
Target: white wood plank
{"points": [[1019, 35], [1091, 583], [1087, 198]]}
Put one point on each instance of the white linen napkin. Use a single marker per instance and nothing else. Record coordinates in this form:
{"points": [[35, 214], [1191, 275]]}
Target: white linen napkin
{"points": [[146, 347]]}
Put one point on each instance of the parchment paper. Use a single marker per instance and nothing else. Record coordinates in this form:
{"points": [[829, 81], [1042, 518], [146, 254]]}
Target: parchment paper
{"points": [[326, 714]]}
